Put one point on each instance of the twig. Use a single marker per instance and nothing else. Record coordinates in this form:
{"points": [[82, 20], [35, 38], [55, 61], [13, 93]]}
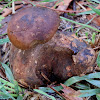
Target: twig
{"points": [[97, 48], [81, 6], [45, 77], [13, 8], [57, 92]]}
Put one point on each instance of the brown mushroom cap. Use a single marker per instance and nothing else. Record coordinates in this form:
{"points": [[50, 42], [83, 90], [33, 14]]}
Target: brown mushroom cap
{"points": [[31, 26]]}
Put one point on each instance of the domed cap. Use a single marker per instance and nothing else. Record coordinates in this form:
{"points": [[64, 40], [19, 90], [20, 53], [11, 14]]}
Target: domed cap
{"points": [[31, 26]]}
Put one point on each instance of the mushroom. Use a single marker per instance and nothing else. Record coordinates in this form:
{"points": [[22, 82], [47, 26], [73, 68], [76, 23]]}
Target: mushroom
{"points": [[27, 30], [37, 56]]}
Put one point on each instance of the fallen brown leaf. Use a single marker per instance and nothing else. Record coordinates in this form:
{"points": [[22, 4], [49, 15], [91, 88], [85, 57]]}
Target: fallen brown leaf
{"points": [[96, 19], [71, 94], [63, 5]]}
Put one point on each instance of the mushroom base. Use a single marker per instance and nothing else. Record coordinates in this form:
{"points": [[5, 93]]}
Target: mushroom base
{"points": [[46, 63]]}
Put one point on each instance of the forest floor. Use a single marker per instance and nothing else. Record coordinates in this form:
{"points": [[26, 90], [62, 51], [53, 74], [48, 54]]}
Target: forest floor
{"points": [[86, 12]]}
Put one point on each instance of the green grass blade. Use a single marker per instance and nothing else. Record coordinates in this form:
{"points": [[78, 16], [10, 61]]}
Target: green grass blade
{"points": [[73, 80], [86, 12], [11, 78], [9, 89], [41, 92], [92, 75], [95, 10], [2, 41], [98, 59], [82, 86], [20, 97], [98, 96], [3, 34], [97, 1], [91, 92], [6, 87], [47, 89], [6, 93], [94, 82], [7, 83], [8, 73], [4, 96], [16, 87], [93, 37], [10, 85], [80, 24], [86, 24]]}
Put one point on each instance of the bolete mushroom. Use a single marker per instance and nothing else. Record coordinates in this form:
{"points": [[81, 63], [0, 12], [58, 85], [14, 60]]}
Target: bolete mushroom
{"points": [[44, 61], [27, 29]]}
